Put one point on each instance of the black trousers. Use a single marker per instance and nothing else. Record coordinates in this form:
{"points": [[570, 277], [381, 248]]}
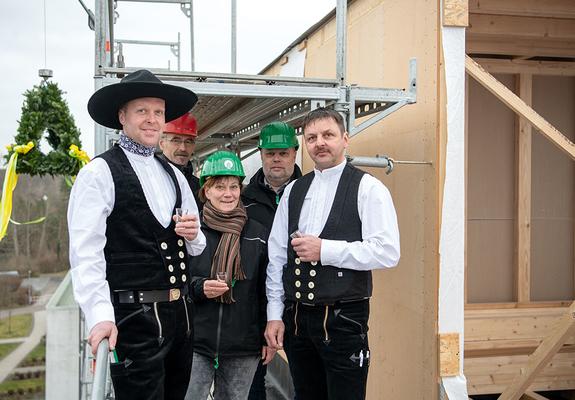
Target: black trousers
{"points": [[327, 350], [155, 350], [258, 388]]}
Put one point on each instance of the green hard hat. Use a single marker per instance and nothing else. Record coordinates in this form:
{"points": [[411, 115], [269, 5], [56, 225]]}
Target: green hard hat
{"points": [[222, 163], [277, 135]]}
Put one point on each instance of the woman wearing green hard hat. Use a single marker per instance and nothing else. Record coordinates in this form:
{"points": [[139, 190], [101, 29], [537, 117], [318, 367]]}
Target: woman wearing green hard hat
{"points": [[228, 287]]}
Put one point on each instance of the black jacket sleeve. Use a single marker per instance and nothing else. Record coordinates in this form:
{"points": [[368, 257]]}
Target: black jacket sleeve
{"points": [[197, 288], [263, 300]]}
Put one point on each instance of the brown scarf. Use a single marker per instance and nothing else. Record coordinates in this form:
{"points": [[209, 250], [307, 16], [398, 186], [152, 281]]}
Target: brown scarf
{"points": [[227, 256]]}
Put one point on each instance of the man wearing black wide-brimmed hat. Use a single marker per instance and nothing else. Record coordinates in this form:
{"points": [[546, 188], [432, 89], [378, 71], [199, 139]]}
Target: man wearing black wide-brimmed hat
{"points": [[128, 250]]}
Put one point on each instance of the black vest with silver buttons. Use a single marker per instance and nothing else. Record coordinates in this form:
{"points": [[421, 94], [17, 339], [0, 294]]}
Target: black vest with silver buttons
{"points": [[313, 282], [140, 253]]}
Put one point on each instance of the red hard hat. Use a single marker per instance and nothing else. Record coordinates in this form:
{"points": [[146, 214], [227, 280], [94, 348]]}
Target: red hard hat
{"points": [[185, 125]]}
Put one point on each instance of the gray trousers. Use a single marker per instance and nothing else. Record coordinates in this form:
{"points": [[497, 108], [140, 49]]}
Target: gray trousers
{"points": [[232, 379]]}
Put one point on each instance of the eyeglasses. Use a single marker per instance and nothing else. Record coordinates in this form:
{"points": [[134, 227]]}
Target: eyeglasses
{"points": [[178, 142]]}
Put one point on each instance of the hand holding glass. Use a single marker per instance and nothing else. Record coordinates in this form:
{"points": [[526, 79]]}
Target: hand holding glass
{"points": [[295, 234], [221, 276], [180, 212]]}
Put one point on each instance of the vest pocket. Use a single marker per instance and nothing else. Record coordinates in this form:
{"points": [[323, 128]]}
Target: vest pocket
{"points": [[129, 316], [118, 369], [352, 317], [131, 257]]}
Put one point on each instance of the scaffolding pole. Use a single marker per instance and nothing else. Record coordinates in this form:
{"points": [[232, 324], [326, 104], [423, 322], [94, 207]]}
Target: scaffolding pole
{"points": [[234, 35]]}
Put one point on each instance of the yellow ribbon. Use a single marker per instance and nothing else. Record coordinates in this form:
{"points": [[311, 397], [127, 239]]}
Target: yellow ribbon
{"points": [[22, 148], [36, 221], [81, 155], [10, 181]]}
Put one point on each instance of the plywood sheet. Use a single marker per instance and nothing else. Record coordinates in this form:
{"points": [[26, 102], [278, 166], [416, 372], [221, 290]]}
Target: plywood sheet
{"points": [[455, 13], [449, 354], [490, 196], [490, 259], [553, 202]]}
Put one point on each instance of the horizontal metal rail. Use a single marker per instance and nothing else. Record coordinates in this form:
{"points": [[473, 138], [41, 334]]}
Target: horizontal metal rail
{"points": [[146, 42], [160, 1], [220, 75]]}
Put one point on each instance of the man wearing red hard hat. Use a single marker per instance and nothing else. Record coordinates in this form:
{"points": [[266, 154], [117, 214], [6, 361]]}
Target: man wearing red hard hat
{"points": [[177, 144]]}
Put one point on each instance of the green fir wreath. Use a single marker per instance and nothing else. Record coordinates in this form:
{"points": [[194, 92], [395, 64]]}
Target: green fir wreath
{"points": [[45, 110]]}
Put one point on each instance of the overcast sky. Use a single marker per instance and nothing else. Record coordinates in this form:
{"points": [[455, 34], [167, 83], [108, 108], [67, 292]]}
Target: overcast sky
{"points": [[264, 29]]}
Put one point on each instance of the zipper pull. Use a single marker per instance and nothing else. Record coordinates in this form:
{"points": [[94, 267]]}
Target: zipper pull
{"points": [[277, 198], [216, 362]]}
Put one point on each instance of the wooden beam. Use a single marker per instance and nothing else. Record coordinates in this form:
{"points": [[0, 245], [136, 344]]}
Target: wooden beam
{"points": [[507, 306], [533, 8], [519, 106], [514, 46], [475, 349], [522, 27], [523, 194], [498, 66], [455, 13], [541, 357], [533, 396]]}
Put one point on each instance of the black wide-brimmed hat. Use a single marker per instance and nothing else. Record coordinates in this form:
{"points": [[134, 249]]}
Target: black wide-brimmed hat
{"points": [[105, 103]]}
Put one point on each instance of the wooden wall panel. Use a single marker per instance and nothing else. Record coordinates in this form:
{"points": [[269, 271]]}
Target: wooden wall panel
{"points": [[499, 341], [403, 323], [490, 196], [490, 260], [553, 193], [495, 374]]}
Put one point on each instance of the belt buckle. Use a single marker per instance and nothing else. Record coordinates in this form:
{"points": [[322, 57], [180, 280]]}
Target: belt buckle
{"points": [[174, 294]]}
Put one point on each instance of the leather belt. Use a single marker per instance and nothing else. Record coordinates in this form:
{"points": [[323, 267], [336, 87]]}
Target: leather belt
{"points": [[323, 304], [148, 296]]}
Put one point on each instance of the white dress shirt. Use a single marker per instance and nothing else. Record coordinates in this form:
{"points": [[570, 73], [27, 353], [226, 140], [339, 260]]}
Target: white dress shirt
{"points": [[91, 202], [380, 245]]}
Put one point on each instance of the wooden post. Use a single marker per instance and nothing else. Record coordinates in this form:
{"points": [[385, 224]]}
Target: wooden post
{"points": [[516, 104], [541, 357], [523, 195]]}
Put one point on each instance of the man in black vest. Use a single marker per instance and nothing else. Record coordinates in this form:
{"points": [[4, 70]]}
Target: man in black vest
{"points": [[128, 250], [278, 148], [177, 143], [332, 227]]}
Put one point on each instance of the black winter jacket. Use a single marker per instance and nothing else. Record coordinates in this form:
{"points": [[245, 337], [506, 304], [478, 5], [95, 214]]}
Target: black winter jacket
{"points": [[232, 329], [260, 201]]}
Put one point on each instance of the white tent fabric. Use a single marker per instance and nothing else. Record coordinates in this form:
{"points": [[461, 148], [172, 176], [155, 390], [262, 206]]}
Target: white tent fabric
{"points": [[452, 234]]}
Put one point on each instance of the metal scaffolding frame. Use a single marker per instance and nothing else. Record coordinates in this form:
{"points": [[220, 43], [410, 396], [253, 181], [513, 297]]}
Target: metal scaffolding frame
{"points": [[232, 108]]}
